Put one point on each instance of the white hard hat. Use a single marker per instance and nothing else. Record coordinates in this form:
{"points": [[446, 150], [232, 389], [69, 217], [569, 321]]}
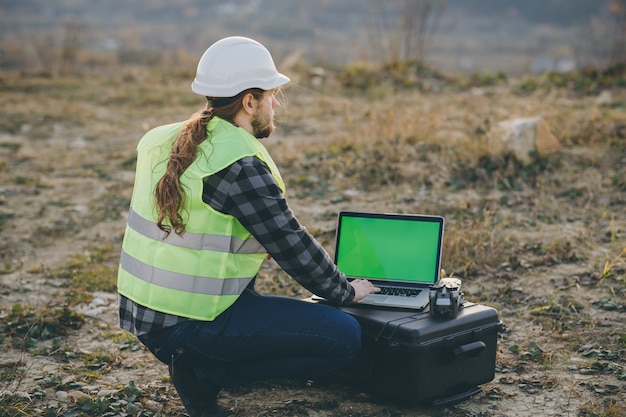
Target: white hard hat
{"points": [[234, 64]]}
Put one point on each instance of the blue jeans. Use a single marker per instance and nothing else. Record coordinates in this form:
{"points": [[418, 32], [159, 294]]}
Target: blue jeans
{"points": [[261, 337]]}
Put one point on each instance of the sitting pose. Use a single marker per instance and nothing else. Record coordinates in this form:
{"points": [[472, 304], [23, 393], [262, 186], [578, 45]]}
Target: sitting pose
{"points": [[208, 207]]}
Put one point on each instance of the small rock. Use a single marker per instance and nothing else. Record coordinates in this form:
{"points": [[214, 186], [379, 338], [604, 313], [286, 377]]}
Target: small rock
{"points": [[106, 392], [587, 280], [351, 193], [608, 305], [507, 380], [62, 396], [152, 405], [77, 395], [24, 395], [53, 404], [26, 152]]}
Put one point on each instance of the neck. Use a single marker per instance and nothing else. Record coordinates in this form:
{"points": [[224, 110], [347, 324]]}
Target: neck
{"points": [[242, 120]]}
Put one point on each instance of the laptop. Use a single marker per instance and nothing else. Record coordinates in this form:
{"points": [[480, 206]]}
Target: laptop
{"points": [[400, 253]]}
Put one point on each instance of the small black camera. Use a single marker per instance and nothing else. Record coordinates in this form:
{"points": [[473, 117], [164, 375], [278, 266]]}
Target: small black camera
{"points": [[446, 298]]}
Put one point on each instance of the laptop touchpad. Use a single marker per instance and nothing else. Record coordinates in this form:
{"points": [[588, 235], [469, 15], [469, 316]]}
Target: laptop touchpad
{"points": [[379, 298]]}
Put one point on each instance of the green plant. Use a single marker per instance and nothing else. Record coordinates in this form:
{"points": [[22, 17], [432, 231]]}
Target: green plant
{"points": [[560, 317], [487, 78], [94, 270], [359, 76], [615, 266], [608, 407], [15, 406], [532, 353], [5, 218], [25, 325], [504, 171], [124, 402], [526, 86]]}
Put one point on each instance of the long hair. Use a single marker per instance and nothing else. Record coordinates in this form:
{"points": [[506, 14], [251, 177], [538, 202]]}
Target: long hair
{"points": [[169, 192]]}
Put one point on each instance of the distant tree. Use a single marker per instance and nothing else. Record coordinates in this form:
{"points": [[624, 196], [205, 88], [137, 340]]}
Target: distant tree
{"points": [[45, 48], [401, 29], [56, 54], [617, 38], [553, 12], [73, 33]]}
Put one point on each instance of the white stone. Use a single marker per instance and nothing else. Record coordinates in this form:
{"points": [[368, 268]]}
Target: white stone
{"points": [[605, 98], [521, 136]]}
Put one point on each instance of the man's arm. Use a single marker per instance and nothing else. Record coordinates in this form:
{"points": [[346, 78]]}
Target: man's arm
{"points": [[248, 191]]}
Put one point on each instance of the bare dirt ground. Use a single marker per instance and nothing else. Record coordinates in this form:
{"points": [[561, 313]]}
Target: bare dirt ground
{"points": [[542, 243]]}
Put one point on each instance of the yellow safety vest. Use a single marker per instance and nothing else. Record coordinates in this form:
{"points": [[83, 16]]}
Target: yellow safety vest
{"points": [[201, 273]]}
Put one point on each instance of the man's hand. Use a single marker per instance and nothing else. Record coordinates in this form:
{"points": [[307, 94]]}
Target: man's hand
{"points": [[362, 287]]}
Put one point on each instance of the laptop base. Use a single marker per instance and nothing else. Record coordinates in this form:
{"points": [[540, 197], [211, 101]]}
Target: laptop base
{"points": [[412, 303]]}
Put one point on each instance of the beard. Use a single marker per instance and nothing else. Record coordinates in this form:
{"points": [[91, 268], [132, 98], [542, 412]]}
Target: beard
{"points": [[262, 126]]}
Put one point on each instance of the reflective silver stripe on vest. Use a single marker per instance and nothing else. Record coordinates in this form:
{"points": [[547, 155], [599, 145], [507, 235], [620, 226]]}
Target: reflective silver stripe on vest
{"points": [[189, 240], [182, 282]]}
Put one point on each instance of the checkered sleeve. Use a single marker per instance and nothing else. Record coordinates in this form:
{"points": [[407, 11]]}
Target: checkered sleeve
{"points": [[248, 191]]}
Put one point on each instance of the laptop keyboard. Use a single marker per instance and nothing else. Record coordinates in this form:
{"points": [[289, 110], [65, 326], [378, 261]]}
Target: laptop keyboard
{"points": [[407, 292]]}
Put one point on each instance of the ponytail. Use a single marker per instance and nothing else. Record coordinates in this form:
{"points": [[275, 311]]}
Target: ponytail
{"points": [[169, 192]]}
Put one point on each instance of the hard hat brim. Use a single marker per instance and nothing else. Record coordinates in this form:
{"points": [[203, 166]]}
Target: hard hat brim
{"points": [[208, 90]]}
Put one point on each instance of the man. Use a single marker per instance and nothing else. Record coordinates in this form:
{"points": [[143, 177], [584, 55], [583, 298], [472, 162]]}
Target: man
{"points": [[208, 207]]}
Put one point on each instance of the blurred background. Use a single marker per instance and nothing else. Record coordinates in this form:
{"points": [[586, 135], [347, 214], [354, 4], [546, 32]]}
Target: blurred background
{"points": [[509, 36], [507, 117]]}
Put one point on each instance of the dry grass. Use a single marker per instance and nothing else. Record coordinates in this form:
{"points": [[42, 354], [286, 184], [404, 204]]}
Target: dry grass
{"points": [[525, 238]]}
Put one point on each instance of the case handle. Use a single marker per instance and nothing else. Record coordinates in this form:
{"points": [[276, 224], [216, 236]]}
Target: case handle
{"points": [[470, 349]]}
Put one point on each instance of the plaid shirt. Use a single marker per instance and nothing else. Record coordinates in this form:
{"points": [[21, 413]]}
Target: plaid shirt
{"points": [[248, 191]]}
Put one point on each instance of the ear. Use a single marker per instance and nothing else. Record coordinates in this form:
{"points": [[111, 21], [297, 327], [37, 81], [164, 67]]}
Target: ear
{"points": [[248, 103]]}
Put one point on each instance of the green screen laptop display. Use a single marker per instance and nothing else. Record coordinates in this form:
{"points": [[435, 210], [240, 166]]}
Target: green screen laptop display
{"points": [[403, 248]]}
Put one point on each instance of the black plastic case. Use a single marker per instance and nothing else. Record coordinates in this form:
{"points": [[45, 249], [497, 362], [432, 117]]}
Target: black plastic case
{"points": [[417, 358]]}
